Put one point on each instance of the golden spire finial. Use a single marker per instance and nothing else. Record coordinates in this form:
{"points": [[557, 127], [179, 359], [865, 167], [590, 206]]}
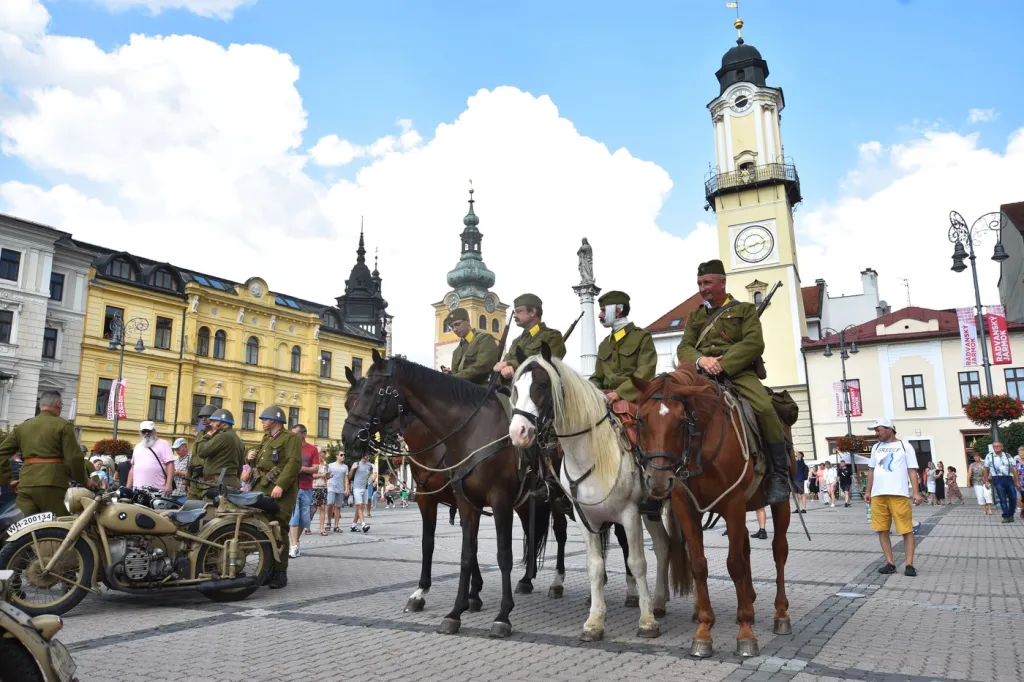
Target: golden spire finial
{"points": [[739, 22]]}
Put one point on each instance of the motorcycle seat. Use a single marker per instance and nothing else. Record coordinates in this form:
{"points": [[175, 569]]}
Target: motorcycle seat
{"points": [[192, 504], [185, 517], [254, 500]]}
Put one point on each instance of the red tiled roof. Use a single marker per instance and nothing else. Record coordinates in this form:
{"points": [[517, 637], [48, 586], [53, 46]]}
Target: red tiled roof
{"points": [[680, 313], [1015, 212], [812, 299], [866, 333]]}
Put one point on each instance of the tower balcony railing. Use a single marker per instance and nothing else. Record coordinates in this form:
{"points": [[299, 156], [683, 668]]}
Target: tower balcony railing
{"points": [[718, 184]]}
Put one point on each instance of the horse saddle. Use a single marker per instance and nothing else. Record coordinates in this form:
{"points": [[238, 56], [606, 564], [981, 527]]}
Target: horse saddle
{"points": [[788, 411], [625, 412]]}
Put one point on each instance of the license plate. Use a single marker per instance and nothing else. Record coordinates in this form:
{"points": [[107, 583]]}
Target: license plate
{"points": [[28, 521], [61, 661]]}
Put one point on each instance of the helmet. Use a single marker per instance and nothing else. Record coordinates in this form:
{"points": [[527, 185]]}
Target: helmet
{"points": [[223, 415], [207, 410], [274, 412]]}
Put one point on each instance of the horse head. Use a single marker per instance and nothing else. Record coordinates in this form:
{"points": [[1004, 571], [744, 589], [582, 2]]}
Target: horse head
{"points": [[533, 402], [371, 402]]}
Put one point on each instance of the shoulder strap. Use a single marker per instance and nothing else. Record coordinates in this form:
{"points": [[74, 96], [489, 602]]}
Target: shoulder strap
{"points": [[711, 318], [163, 474]]}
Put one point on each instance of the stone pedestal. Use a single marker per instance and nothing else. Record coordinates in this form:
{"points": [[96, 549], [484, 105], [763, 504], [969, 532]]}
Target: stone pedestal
{"points": [[587, 328]]}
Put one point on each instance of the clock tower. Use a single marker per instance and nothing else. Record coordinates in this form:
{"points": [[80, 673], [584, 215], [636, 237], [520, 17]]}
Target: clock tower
{"points": [[471, 282], [752, 191]]}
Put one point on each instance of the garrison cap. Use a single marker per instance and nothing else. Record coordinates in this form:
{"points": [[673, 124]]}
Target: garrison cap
{"points": [[457, 315], [613, 298], [528, 301], [712, 267]]}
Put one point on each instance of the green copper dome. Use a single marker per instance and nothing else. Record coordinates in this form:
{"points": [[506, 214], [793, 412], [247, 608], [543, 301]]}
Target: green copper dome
{"points": [[470, 276]]}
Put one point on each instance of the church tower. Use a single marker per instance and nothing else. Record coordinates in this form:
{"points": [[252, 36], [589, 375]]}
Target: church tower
{"points": [[752, 191], [471, 284]]}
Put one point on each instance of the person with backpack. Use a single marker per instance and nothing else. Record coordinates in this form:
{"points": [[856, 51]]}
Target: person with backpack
{"points": [[891, 477]]}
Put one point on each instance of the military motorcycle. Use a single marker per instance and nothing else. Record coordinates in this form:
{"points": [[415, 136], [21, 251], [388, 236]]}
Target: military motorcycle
{"points": [[28, 651], [222, 546]]}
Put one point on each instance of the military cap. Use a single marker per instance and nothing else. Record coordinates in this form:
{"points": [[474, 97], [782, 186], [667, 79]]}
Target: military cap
{"points": [[712, 267], [207, 410], [613, 298], [223, 415], [275, 413], [527, 301], [457, 315]]}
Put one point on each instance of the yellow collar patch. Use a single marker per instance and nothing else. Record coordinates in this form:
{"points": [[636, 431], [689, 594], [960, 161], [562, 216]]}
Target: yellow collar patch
{"points": [[619, 334], [469, 336], [534, 330]]}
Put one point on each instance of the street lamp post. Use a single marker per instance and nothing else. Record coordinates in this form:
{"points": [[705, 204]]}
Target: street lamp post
{"points": [[845, 351], [118, 333], [958, 234]]}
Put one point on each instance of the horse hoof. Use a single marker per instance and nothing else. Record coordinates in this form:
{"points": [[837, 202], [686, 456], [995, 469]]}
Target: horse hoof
{"points": [[524, 588], [660, 611], [701, 648], [500, 630], [592, 635], [449, 626], [475, 605], [632, 602], [783, 626], [747, 648], [415, 605], [556, 591], [649, 631]]}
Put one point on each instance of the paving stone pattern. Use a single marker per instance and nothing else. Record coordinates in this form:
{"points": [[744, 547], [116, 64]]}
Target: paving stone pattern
{"points": [[343, 607]]}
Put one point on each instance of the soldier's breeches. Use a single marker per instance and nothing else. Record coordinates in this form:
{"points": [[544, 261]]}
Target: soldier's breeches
{"points": [[36, 500], [753, 392]]}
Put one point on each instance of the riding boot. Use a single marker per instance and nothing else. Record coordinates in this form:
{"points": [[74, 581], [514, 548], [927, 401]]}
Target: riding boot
{"points": [[279, 580], [777, 485], [270, 576]]}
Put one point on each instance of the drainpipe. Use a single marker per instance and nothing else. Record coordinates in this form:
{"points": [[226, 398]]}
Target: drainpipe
{"points": [[181, 355]]}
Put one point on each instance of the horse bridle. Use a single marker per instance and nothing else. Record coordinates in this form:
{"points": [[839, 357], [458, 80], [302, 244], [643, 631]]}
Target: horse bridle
{"points": [[544, 422]]}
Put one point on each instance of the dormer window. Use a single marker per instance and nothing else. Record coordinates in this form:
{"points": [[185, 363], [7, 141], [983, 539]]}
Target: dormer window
{"points": [[163, 280], [327, 319], [121, 269]]}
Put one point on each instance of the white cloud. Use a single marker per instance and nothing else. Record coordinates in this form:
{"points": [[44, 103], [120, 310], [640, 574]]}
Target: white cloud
{"points": [[220, 9], [982, 115], [330, 150]]}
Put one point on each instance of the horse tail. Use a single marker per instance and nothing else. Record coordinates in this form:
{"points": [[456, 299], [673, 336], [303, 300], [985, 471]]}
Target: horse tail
{"points": [[680, 575], [541, 527]]}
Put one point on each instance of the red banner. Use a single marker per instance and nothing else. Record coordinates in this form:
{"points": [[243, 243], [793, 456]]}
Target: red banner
{"points": [[856, 409], [999, 335], [121, 414]]}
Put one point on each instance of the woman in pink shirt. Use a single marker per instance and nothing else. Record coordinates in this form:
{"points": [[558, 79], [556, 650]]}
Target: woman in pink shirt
{"points": [[152, 461]]}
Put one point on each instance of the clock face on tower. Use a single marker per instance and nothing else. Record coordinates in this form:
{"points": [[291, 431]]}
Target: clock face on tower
{"points": [[451, 300], [755, 243], [490, 302]]}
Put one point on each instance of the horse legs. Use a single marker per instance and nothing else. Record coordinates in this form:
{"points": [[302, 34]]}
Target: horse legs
{"points": [[593, 629], [632, 598], [476, 583], [660, 537], [525, 584], [738, 563], [428, 515], [648, 627], [703, 614], [470, 522], [502, 626], [780, 551], [560, 524]]}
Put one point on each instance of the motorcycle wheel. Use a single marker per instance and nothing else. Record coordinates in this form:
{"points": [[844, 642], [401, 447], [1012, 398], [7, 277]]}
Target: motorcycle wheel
{"points": [[58, 597], [257, 546], [18, 664]]}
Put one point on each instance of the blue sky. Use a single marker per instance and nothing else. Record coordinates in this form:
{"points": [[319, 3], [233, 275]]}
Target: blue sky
{"points": [[635, 75]]}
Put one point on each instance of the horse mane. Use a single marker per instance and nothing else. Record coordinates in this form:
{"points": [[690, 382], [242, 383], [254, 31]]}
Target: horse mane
{"points": [[579, 405], [443, 387], [687, 382]]}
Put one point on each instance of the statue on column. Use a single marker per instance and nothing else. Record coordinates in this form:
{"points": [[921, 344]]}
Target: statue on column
{"points": [[586, 263]]}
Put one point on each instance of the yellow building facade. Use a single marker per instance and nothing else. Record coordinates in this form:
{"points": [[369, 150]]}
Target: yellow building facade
{"points": [[236, 345]]}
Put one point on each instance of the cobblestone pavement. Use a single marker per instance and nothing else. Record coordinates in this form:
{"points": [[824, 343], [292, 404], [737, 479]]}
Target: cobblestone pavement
{"points": [[343, 610]]}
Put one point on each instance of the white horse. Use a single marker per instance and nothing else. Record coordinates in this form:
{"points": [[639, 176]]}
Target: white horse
{"points": [[598, 474]]}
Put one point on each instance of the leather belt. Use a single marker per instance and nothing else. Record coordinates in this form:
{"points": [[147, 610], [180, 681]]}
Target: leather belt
{"points": [[44, 460]]}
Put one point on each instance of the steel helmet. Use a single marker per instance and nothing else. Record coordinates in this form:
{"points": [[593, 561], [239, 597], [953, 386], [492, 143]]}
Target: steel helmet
{"points": [[274, 412], [223, 415], [207, 411]]}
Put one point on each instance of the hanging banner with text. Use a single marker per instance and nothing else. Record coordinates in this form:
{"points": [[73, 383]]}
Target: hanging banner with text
{"points": [[112, 401], [121, 414], [115, 401], [855, 404], [999, 335], [968, 336]]}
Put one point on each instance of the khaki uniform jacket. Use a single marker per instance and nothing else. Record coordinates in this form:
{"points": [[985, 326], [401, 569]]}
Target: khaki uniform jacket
{"points": [[45, 435], [735, 338], [473, 360], [287, 449], [530, 341], [197, 447], [631, 354], [223, 450]]}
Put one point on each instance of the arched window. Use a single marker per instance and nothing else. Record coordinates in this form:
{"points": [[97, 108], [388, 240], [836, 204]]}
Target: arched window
{"points": [[220, 341], [495, 325], [483, 322], [327, 319], [296, 359], [252, 351], [203, 342], [446, 327], [121, 269], [758, 297], [163, 280]]}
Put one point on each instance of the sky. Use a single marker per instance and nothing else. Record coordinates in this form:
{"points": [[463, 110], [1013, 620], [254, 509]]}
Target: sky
{"points": [[249, 137]]}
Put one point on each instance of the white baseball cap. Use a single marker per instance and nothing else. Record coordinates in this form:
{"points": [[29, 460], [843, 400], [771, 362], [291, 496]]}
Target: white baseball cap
{"points": [[147, 426], [887, 423], [178, 443]]}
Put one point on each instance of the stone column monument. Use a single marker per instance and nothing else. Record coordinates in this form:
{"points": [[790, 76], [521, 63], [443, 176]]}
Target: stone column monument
{"points": [[587, 290]]}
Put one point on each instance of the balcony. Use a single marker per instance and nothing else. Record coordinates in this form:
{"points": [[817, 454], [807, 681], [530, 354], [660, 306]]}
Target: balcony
{"points": [[719, 184]]}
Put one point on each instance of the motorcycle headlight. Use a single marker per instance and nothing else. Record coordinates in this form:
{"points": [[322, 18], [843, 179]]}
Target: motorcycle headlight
{"points": [[74, 499], [67, 500]]}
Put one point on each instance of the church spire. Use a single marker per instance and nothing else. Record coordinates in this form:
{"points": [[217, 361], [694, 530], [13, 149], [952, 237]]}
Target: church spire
{"points": [[470, 276], [361, 251]]}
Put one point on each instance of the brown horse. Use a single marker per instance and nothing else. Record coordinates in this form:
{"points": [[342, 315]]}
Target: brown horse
{"points": [[693, 446]]}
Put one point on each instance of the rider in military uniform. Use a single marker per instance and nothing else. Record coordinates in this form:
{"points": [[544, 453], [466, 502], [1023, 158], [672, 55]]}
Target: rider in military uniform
{"points": [[528, 312], [51, 459], [203, 431], [276, 470], [221, 450], [476, 353], [729, 346], [627, 352]]}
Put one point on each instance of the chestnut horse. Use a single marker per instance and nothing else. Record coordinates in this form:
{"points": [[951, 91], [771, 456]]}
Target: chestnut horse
{"points": [[694, 447]]}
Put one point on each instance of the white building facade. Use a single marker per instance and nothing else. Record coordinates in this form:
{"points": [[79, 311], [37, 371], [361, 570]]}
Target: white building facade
{"points": [[43, 289]]}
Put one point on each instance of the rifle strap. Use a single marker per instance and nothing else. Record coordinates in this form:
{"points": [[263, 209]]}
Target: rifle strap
{"points": [[711, 319]]}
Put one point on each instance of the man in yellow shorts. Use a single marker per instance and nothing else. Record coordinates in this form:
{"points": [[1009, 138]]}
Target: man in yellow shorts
{"points": [[891, 479]]}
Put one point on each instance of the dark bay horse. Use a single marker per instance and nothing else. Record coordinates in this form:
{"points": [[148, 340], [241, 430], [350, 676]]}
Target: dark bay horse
{"points": [[694, 448], [473, 426]]}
